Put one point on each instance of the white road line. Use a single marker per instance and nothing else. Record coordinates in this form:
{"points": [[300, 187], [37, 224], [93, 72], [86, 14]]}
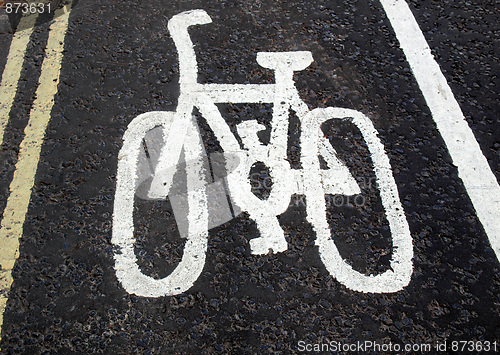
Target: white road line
{"points": [[477, 176]]}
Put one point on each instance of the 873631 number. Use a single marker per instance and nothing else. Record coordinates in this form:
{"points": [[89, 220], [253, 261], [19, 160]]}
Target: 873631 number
{"points": [[27, 8], [474, 346]]}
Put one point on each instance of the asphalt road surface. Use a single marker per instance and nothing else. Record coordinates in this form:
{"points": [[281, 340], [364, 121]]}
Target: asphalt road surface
{"points": [[118, 60]]}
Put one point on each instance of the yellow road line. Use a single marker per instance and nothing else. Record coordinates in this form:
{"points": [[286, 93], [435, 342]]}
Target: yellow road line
{"points": [[11, 229], [12, 70]]}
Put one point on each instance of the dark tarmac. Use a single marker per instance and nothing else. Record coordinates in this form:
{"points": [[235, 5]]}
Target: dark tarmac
{"points": [[120, 61]]}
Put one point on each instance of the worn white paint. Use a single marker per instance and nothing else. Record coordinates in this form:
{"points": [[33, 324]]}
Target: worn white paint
{"points": [[473, 168], [181, 134], [399, 275], [193, 260]]}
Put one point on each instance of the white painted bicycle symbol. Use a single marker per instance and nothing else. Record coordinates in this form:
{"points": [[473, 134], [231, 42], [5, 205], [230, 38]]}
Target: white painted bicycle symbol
{"points": [[181, 133]]}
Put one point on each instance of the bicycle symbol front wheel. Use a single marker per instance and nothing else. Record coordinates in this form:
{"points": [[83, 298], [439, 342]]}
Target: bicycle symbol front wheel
{"points": [[193, 260]]}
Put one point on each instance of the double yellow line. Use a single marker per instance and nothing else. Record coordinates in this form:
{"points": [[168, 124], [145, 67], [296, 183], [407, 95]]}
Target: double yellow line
{"points": [[11, 226]]}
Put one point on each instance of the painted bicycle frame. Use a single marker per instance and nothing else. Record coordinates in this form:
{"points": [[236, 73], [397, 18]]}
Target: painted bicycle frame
{"points": [[180, 133]]}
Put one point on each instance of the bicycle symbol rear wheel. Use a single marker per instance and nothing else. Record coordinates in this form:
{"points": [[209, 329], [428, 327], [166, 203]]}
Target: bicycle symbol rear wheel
{"points": [[399, 275]]}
